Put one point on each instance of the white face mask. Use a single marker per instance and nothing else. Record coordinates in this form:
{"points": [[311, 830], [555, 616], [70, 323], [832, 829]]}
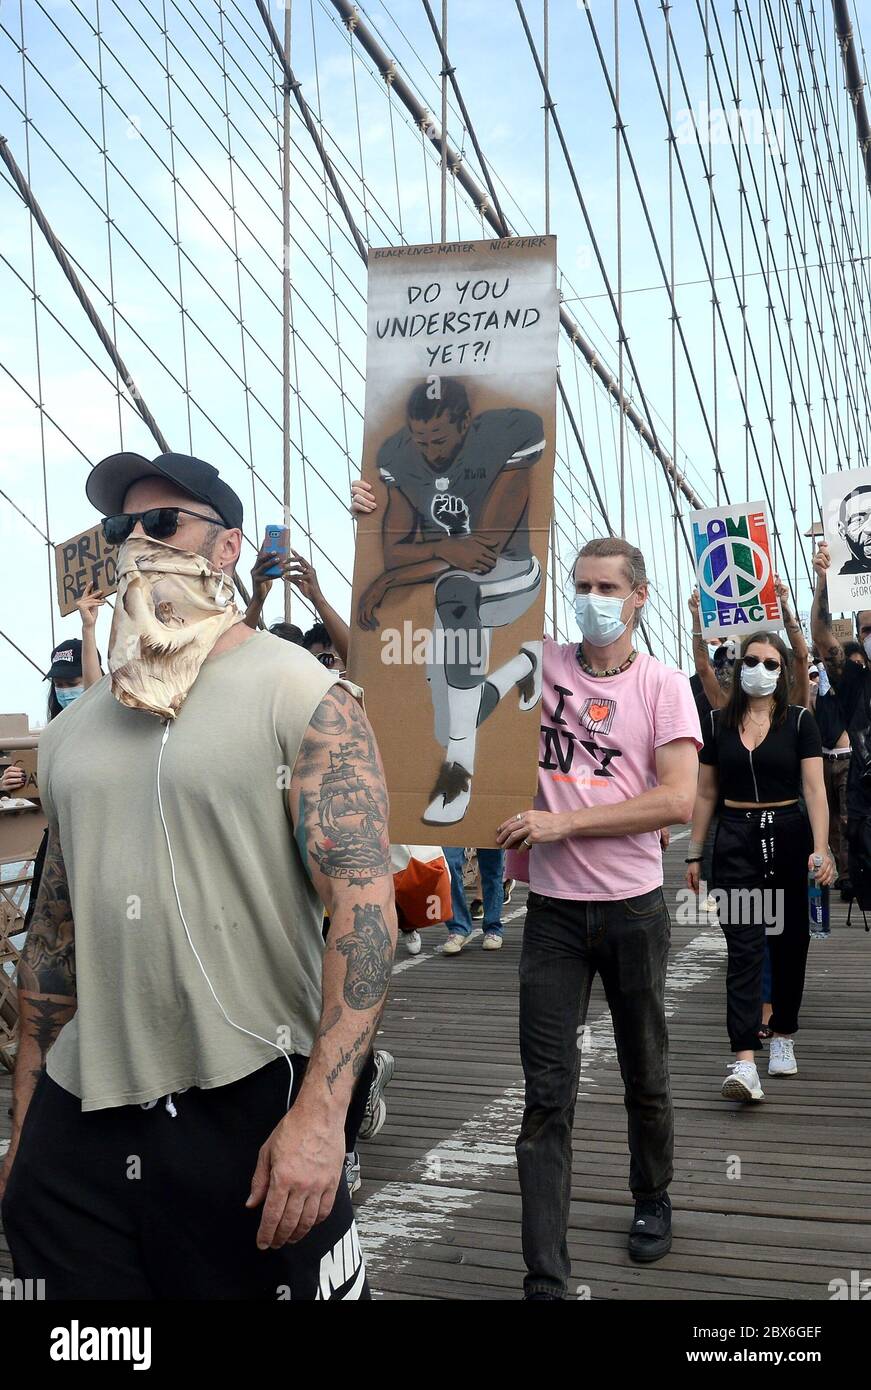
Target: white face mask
{"points": [[66, 695], [600, 619], [755, 680]]}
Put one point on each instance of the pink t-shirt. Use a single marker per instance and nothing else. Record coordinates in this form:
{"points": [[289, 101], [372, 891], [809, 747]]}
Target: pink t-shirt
{"points": [[598, 740]]}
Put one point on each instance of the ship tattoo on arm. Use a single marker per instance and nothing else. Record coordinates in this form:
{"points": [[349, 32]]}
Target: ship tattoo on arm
{"points": [[342, 796]]}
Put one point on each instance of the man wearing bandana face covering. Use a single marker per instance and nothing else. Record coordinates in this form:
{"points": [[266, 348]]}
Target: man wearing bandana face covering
{"points": [[179, 1008]]}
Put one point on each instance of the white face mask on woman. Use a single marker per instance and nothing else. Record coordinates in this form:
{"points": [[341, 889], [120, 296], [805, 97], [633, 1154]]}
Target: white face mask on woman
{"points": [[755, 680]]}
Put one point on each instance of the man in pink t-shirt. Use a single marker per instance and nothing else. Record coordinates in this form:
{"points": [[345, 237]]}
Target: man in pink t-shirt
{"points": [[619, 740]]}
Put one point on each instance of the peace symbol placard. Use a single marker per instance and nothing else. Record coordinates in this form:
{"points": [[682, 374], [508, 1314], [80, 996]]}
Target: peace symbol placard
{"points": [[735, 570]]}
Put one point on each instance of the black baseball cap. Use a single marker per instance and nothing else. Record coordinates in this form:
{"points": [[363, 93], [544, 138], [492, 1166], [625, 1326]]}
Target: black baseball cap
{"points": [[108, 483], [66, 660]]}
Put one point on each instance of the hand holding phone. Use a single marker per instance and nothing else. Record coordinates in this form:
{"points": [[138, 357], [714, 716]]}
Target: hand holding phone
{"points": [[276, 538]]}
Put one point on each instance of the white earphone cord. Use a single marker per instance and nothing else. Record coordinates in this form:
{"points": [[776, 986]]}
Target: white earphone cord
{"points": [[237, 1026]]}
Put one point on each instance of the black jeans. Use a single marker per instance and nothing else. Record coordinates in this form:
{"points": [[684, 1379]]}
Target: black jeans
{"points": [[760, 881], [564, 944]]}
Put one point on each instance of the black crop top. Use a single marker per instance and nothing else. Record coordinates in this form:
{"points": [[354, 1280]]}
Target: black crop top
{"points": [[772, 772]]}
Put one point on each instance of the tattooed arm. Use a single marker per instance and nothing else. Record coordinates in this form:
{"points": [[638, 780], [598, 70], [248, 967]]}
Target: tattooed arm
{"points": [[824, 639], [46, 986], [342, 836]]}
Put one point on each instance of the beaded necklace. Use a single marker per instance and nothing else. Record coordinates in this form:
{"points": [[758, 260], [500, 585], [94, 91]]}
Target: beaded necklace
{"points": [[611, 671]]}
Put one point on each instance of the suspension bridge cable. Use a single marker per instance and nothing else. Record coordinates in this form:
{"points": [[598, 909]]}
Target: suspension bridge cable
{"points": [[366, 39], [671, 472], [701, 242], [64, 262]]}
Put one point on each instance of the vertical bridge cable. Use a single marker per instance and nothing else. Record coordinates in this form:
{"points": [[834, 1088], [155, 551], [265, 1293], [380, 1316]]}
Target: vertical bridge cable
{"points": [[48, 550], [618, 147], [312, 129], [495, 216], [285, 297], [649, 434], [554, 562], [444, 168], [237, 263], [643, 424], [666, 10], [169, 126]]}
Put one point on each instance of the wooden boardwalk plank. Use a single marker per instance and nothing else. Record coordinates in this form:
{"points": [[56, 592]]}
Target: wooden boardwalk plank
{"points": [[439, 1211]]}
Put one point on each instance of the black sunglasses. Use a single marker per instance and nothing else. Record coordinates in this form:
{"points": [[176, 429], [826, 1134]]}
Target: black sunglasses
{"points": [[328, 659], [769, 663], [814, 675], [158, 522]]}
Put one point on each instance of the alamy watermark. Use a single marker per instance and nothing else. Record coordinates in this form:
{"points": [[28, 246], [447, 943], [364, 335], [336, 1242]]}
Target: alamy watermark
{"points": [[22, 1290], [739, 906], [420, 646], [714, 125]]}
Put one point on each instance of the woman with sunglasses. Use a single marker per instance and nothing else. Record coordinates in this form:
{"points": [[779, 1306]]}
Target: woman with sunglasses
{"points": [[715, 677], [760, 755]]}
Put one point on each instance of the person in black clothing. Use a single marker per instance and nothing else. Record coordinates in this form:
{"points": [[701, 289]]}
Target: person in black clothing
{"points": [[852, 682], [854, 651], [826, 709], [760, 755]]}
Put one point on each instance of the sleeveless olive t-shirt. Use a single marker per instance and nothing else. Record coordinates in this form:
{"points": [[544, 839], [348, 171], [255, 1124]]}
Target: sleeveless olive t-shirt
{"points": [[147, 1023]]}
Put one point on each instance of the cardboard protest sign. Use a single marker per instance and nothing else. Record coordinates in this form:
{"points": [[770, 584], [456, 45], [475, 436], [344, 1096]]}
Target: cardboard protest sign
{"points": [[847, 528], [843, 630], [449, 581], [24, 758], [84, 559], [735, 570]]}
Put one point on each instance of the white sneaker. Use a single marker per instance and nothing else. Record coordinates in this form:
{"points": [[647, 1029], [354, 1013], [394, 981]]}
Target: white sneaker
{"points": [[450, 796], [492, 941], [529, 687], [413, 943], [742, 1083], [781, 1058], [454, 944]]}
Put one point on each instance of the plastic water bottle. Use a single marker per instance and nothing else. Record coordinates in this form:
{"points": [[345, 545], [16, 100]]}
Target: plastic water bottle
{"points": [[817, 904]]}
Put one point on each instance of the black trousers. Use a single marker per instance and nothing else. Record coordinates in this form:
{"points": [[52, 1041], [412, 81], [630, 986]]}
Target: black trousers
{"points": [[760, 880], [135, 1204], [564, 944]]}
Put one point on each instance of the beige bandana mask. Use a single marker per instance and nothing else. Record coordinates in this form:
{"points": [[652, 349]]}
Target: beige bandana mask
{"points": [[170, 609]]}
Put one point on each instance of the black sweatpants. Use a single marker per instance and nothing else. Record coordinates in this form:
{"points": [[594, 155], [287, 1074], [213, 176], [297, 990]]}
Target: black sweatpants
{"points": [[130, 1203], [760, 879]]}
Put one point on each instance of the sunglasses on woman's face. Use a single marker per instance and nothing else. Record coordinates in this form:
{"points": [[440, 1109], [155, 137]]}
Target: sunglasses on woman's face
{"points": [[327, 659], [158, 522], [769, 662]]}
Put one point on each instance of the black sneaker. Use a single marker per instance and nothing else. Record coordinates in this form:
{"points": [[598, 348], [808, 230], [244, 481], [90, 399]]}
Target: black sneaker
{"points": [[476, 910], [507, 890], [540, 1297], [650, 1233]]}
